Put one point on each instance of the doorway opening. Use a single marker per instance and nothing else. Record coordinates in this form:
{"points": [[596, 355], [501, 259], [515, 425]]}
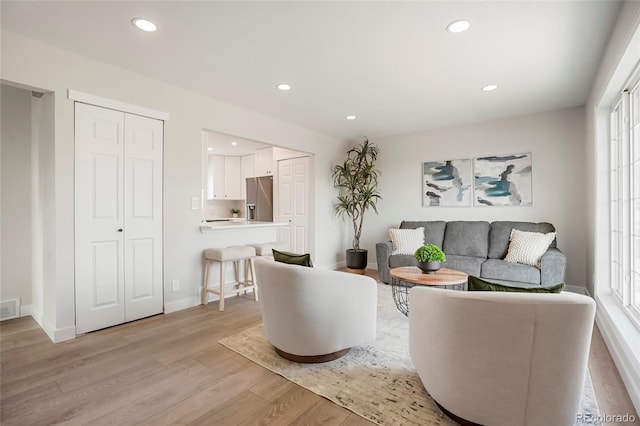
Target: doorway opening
{"points": [[228, 163], [27, 199]]}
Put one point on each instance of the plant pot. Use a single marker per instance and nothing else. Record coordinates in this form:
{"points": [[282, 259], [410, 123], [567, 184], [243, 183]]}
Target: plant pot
{"points": [[234, 215], [429, 267], [357, 259]]}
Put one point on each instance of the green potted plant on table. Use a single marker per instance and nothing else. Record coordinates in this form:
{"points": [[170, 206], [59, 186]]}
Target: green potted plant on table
{"points": [[235, 212], [430, 258], [357, 182]]}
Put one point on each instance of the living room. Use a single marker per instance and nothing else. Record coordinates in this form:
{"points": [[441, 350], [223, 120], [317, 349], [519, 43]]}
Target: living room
{"points": [[565, 144]]}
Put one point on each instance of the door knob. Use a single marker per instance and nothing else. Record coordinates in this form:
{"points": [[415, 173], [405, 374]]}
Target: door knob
{"points": [[120, 230]]}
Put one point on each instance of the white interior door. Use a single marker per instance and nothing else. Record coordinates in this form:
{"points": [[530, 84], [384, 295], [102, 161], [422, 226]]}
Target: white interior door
{"points": [[285, 202], [143, 142], [293, 203], [118, 217], [301, 204], [99, 236]]}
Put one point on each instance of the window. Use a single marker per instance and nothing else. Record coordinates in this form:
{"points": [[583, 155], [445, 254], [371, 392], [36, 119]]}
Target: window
{"points": [[634, 190], [624, 151]]}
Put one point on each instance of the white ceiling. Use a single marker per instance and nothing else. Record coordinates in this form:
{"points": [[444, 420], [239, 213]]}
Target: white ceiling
{"points": [[222, 144], [390, 63]]}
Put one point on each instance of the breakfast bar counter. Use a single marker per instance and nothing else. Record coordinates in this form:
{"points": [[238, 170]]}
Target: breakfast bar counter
{"points": [[236, 232], [227, 225]]}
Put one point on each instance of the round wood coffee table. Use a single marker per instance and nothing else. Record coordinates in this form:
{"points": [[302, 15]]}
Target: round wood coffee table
{"points": [[405, 277]]}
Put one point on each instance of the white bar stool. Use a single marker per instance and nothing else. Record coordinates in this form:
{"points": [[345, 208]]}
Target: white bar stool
{"points": [[234, 254], [264, 249]]}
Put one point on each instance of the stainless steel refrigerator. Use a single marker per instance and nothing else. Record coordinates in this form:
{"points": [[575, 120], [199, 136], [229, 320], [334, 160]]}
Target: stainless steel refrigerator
{"points": [[260, 199]]}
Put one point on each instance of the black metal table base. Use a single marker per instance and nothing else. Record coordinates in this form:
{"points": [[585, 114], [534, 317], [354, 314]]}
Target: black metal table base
{"points": [[400, 290]]}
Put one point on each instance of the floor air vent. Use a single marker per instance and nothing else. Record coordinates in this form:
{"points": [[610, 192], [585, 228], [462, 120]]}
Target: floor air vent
{"points": [[9, 309]]}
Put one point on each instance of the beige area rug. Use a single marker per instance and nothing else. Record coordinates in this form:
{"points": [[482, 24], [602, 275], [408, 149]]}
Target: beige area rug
{"points": [[377, 381]]}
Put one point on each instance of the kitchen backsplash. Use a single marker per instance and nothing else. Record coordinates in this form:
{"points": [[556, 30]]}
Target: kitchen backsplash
{"points": [[222, 208]]}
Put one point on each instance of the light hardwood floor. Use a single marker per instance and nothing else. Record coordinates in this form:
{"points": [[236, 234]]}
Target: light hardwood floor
{"points": [[169, 369]]}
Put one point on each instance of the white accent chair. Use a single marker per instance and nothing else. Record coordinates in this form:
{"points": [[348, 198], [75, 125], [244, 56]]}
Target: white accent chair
{"points": [[502, 359], [312, 314]]}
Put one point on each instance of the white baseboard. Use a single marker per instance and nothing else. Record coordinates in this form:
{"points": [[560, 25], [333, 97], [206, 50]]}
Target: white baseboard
{"points": [[623, 355], [56, 335], [25, 310], [36, 315], [577, 289], [181, 304], [65, 333], [343, 264], [190, 302]]}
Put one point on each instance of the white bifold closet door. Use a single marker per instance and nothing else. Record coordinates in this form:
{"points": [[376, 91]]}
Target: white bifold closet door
{"points": [[118, 217]]}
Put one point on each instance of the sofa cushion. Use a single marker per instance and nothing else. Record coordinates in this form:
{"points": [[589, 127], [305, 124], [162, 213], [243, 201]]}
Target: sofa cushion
{"points": [[528, 247], [466, 264], [433, 230], [477, 284], [406, 241], [397, 260], [497, 269], [466, 238], [501, 231]]}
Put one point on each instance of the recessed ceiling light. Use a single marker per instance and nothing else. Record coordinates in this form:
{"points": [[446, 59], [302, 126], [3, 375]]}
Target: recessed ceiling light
{"points": [[234, 143], [458, 26], [144, 24], [350, 117], [283, 87], [490, 87], [209, 149]]}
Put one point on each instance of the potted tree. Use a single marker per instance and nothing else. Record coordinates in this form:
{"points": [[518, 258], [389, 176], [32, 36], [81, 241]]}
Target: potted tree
{"points": [[430, 258], [357, 182]]}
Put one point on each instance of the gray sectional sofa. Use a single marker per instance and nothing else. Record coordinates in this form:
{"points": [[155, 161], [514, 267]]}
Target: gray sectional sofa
{"points": [[478, 248]]}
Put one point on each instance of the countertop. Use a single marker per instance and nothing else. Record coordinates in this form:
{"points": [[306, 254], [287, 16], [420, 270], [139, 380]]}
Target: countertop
{"points": [[237, 224]]}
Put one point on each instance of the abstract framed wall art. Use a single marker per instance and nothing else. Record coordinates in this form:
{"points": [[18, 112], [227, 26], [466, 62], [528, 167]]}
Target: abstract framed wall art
{"points": [[503, 180], [447, 183]]}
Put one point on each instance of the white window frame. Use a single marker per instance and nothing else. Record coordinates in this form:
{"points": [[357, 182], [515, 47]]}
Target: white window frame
{"points": [[634, 199], [624, 173]]}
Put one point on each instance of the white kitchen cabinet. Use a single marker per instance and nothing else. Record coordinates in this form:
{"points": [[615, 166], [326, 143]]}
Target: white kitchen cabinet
{"points": [[232, 176], [218, 165], [224, 178], [264, 162], [247, 170]]}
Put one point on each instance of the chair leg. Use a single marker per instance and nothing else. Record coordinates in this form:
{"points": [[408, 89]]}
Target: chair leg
{"points": [[221, 303], [205, 283], [253, 278], [236, 274], [248, 276]]}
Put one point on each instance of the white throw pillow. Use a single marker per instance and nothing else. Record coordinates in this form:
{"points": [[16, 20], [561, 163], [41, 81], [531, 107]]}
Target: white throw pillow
{"points": [[528, 247], [406, 241]]}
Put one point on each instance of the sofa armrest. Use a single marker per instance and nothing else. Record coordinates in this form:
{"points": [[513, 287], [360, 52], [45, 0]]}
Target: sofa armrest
{"points": [[552, 267], [383, 252]]}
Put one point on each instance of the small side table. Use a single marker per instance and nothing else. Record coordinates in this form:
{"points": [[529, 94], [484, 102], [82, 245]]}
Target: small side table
{"points": [[405, 277]]}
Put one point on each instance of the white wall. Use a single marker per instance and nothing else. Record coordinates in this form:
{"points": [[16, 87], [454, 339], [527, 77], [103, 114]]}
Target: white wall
{"points": [[556, 141], [43, 210], [620, 334], [16, 203], [58, 70]]}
